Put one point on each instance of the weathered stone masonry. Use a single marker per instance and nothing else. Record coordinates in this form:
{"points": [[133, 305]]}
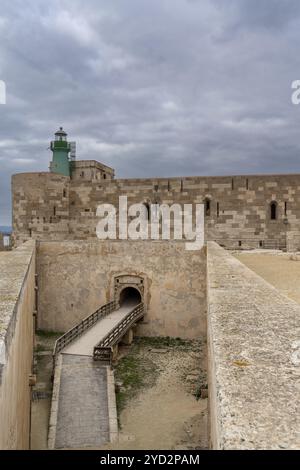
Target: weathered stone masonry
{"points": [[238, 209], [17, 307], [75, 278], [253, 358]]}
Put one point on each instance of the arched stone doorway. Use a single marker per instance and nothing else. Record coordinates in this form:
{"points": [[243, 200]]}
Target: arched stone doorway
{"points": [[129, 288], [130, 296]]}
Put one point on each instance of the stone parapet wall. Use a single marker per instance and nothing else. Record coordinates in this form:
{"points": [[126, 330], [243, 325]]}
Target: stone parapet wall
{"points": [[253, 360], [91, 170], [293, 241], [17, 305]]}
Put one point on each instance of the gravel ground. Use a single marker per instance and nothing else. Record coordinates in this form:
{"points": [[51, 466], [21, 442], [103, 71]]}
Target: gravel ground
{"points": [[278, 269], [160, 409], [158, 387]]}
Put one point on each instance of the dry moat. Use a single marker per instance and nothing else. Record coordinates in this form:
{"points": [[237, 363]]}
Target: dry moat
{"points": [[160, 388], [160, 382]]}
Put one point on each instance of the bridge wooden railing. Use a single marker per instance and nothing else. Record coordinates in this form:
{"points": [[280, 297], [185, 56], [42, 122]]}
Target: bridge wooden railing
{"points": [[82, 326], [103, 350]]}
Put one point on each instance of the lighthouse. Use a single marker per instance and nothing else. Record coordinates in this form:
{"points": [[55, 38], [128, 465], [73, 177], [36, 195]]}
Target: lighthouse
{"points": [[60, 159]]}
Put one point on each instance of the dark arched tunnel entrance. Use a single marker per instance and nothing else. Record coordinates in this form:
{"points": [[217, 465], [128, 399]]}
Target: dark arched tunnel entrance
{"points": [[130, 297]]}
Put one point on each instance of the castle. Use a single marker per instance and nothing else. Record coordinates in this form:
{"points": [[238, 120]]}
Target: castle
{"points": [[60, 272], [255, 211]]}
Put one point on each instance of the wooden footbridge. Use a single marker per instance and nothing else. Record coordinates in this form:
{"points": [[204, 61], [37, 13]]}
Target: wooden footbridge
{"points": [[83, 410]]}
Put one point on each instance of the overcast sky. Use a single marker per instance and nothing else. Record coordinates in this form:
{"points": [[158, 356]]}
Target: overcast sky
{"points": [[150, 87]]}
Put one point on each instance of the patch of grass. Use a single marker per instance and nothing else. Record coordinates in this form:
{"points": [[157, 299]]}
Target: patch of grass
{"points": [[40, 347], [48, 334], [163, 342], [197, 392], [129, 375], [128, 369], [136, 370], [132, 373], [45, 340]]}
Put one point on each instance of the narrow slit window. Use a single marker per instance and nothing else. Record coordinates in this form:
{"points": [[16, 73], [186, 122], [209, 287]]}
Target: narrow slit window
{"points": [[273, 209], [218, 209], [207, 207], [148, 210]]}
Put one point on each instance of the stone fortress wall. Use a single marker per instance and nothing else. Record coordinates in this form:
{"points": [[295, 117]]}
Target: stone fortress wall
{"points": [[76, 274], [17, 307], [49, 206], [253, 362], [40, 206], [75, 278], [253, 358]]}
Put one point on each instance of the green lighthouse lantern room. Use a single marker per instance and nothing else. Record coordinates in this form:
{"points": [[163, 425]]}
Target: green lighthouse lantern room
{"points": [[60, 148]]}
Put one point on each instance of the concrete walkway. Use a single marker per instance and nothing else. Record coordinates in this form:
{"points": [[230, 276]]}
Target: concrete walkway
{"points": [[84, 345], [82, 419]]}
